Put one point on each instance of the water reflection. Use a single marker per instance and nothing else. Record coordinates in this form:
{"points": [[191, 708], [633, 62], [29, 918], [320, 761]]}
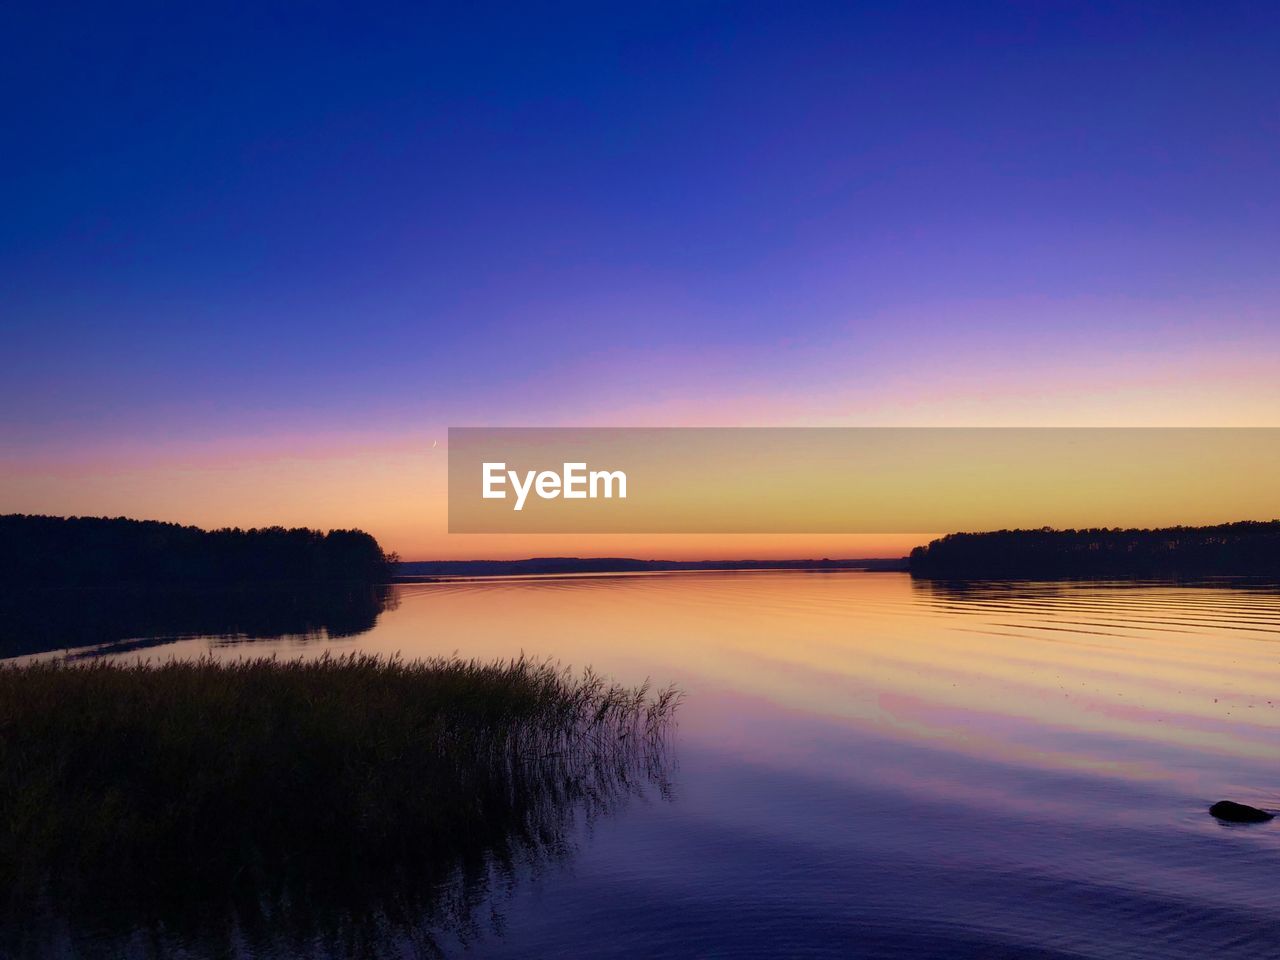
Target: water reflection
{"points": [[118, 620], [352, 892], [881, 767]]}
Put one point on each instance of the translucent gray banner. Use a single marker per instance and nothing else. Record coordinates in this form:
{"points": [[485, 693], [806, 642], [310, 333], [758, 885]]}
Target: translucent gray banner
{"points": [[855, 479]]}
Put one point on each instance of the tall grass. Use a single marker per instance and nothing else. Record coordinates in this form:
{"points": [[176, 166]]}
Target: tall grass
{"points": [[321, 795]]}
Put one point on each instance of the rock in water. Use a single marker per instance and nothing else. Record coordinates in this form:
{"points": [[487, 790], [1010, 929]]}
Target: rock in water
{"points": [[1239, 812]]}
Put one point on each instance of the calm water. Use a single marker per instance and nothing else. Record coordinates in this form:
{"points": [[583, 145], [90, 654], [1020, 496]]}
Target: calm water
{"points": [[874, 767]]}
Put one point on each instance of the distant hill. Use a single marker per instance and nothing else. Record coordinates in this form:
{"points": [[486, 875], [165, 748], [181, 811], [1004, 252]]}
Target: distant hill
{"points": [[536, 566], [1245, 549], [104, 552]]}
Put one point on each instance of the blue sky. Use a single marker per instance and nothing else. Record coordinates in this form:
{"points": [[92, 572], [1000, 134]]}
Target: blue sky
{"points": [[228, 223]]}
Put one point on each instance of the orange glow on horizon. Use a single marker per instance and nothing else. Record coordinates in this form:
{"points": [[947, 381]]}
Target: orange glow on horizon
{"points": [[391, 481]]}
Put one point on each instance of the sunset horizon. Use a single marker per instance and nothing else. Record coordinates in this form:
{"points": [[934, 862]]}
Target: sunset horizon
{"points": [[657, 481]]}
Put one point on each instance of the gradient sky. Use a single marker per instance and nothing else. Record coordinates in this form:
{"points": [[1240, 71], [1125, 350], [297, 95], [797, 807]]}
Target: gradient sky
{"points": [[253, 263]]}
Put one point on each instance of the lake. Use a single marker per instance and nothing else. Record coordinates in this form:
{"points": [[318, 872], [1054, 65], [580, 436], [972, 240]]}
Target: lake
{"points": [[871, 766]]}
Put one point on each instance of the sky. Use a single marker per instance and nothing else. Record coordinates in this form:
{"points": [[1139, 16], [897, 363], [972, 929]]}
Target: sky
{"points": [[255, 262]]}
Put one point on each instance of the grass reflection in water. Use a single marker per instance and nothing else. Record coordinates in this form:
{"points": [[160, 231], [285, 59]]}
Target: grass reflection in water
{"points": [[345, 806]]}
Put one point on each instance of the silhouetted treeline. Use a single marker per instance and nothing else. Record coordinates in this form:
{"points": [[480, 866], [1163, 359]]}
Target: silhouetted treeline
{"points": [[1248, 548], [535, 566], [97, 551]]}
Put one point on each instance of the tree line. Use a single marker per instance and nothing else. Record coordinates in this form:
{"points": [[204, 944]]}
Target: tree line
{"points": [[1248, 548], [102, 551]]}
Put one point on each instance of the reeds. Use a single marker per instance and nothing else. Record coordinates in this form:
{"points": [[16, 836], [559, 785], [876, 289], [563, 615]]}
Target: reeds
{"points": [[206, 793]]}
